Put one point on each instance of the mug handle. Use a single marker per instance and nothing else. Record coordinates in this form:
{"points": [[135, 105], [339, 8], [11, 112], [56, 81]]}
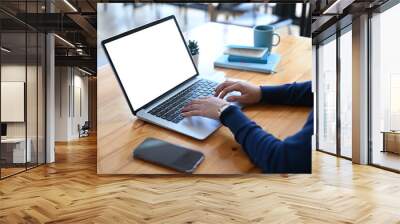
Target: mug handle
{"points": [[279, 39]]}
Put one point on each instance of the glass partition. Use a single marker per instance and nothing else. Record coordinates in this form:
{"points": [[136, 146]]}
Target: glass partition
{"points": [[22, 67], [31, 99], [13, 105], [41, 97]]}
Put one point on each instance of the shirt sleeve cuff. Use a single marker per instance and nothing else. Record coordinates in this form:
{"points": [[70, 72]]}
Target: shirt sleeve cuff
{"points": [[233, 118], [270, 94]]}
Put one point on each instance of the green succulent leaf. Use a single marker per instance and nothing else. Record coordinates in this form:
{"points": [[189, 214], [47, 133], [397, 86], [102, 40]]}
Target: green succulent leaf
{"points": [[193, 47]]}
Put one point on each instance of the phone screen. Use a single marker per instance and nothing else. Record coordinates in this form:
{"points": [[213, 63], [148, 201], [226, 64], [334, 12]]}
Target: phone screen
{"points": [[168, 155]]}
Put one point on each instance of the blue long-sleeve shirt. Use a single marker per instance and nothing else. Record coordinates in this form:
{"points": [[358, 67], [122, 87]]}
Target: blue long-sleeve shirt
{"points": [[293, 154]]}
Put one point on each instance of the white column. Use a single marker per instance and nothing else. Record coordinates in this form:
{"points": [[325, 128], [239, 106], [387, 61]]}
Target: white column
{"points": [[50, 92], [360, 90], [63, 101], [50, 99]]}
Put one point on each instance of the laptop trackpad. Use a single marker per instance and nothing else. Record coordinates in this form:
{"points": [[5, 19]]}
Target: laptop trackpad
{"points": [[198, 127], [199, 122]]}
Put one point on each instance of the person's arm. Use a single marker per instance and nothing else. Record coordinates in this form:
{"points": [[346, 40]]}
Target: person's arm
{"points": [[271, 155], [299, 94]]}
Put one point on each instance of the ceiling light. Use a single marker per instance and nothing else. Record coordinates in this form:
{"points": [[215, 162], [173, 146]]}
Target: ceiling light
{"points": [[70, 5], [79, 51], [84, 71], [5, 50], [331, 7], [337, 7], [64, 40]]}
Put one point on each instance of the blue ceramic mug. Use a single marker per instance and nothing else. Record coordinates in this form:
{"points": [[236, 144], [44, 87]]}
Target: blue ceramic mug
{"points": [[263, 35]]}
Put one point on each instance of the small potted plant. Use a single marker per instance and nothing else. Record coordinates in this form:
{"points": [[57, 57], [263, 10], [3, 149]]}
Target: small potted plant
{"points": [[194, 51]]}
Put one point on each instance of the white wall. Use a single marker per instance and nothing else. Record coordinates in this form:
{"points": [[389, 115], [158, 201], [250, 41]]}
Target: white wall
{"points": [[33, 126], [70, 84], [81, 103], [62, 81], [15, 72], [13, 101]]}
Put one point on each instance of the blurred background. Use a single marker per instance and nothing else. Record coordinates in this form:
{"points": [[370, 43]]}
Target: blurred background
{"points": [[115, 18], [48, 79]]}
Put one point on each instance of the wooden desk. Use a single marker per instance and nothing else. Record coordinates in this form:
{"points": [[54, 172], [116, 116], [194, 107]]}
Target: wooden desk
{"points": [[391, 141], [15, 149], [119, 131]]}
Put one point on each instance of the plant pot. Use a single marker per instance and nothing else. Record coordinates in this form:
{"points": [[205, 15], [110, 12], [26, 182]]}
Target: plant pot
{"points": [[196, 60]]}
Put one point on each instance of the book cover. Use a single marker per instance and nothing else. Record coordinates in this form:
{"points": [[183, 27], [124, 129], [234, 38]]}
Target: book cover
{"points": [[234, 58], [246, 51], [273, 61]]}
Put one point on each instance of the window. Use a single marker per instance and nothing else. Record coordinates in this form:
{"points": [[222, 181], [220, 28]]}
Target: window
{"points": [[383, 67], [385, 89], [334, 106], [327, 97], [346, 93]]}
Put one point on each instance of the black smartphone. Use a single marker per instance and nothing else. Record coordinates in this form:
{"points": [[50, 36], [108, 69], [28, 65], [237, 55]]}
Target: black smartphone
{"points": [[168, 155]]}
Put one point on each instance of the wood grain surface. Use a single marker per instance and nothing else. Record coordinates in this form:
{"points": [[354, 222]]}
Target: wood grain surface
{"points": [[119, 132], [70, 191]]}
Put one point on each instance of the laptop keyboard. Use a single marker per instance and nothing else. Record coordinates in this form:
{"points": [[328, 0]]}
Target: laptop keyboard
{"points": [[170, 110]]}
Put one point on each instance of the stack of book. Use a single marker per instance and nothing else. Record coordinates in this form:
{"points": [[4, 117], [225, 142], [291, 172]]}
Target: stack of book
{"points": [[248, 58]]}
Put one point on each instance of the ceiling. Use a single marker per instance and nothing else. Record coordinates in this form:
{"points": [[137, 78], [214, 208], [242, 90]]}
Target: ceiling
{"points": [[332, 15], [74, 22]]}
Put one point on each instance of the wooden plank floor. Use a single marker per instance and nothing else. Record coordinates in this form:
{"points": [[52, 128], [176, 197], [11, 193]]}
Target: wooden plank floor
{"points": [[69, 191]]}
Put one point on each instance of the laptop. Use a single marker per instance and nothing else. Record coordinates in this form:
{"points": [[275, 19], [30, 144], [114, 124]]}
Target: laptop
{"points": [[158, 76]]}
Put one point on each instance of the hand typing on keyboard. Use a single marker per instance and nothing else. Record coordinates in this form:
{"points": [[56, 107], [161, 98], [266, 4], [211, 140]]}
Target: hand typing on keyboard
{"points": [[249, 93], [210, 106], [206, 107], [171, 109]]}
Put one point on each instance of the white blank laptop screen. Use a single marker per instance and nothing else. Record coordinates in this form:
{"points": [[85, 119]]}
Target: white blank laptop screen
{"points": [[150, 62]]}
